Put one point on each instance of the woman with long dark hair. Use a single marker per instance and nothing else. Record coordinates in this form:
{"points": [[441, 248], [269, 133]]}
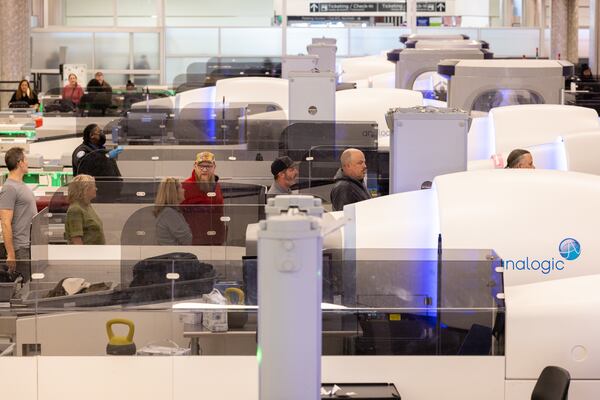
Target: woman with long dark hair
{"points": [[25, 94]]}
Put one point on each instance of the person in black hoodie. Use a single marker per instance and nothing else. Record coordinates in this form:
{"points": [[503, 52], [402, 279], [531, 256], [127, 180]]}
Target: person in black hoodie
{"points": [[349, 187], [93, 152], [92, 158]]}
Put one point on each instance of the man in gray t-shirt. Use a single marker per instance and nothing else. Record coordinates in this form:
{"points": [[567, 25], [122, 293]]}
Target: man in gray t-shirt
{"points": [[285, 174], [17, 209]]}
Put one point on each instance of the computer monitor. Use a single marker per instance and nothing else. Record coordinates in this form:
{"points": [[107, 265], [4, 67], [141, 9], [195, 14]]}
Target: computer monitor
{"points": [[18, 104], [146, 127]]}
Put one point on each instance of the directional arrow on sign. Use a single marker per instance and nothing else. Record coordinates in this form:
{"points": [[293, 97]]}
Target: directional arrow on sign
{"points": [[440, 7], [314, 7]]}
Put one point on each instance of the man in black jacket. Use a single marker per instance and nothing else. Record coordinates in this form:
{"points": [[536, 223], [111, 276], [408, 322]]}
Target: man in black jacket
{"points": [[349, 187]]}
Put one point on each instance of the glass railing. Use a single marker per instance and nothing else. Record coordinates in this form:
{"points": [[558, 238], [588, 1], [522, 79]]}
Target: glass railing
{"points": [[125, 214], [375, 302], [245, 140]]}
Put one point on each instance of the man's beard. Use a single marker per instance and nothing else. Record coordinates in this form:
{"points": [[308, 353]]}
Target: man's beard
{"points": [[207, 185]]}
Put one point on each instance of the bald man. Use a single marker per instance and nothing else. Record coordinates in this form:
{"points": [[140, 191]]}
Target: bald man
{"points": [[349, 187]]}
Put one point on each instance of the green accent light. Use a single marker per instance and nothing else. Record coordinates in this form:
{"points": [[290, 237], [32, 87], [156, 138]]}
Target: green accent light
{"points": [[258, 355], [56, 178], [27, 134], [31, 178]]}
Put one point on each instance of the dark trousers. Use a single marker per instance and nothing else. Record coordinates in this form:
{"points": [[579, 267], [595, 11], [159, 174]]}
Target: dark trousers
{"points": [[23, 256]]}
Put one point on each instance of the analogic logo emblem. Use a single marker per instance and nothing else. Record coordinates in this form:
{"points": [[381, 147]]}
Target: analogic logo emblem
{"points": [[569, 249]]}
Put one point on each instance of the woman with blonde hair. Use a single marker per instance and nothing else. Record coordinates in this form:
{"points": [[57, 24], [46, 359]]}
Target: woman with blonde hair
{"points": [[83, 226], [171, 227]]}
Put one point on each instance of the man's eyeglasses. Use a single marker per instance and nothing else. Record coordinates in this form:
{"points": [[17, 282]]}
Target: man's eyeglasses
{"points": [[204, 167]]}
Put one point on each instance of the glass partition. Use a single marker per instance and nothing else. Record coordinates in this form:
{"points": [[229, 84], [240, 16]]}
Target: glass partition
{"points": [[194, 13], [368, 41], [375, 302], [512, 43], [47, 47], [97, 102], [111, 50], [123, 212], [137, 12], [299, 38], [197, 72], [251, 42], [245, 142], [185, 42], [69, 305]]}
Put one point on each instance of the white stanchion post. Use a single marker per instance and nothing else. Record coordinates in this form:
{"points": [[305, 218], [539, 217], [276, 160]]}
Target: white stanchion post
{"points": [[290, 262]]}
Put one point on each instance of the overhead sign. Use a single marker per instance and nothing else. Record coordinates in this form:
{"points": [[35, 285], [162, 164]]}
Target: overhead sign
{"points": [[391, 7], [345, 18], [343, 7], [429, 6]]}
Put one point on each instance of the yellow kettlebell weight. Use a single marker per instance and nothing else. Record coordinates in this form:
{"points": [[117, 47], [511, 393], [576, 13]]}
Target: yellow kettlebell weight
{"points": [[120, 345], [232, 293]]}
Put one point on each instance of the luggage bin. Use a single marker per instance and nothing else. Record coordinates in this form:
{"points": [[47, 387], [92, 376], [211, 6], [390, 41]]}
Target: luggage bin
{"points": [[8, 290], [39, 297]]}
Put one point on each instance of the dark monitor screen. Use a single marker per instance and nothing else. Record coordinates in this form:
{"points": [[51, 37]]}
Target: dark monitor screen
{"points": [[146, 126], [305, 136], [19, 104]]}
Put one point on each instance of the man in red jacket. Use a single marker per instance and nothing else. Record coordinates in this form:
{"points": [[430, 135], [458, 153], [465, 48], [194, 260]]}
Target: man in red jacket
{"points": [[205, 199]]}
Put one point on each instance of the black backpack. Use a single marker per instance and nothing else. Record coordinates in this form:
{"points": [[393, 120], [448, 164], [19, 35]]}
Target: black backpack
{"points": [[60, 105], [149, 277]]}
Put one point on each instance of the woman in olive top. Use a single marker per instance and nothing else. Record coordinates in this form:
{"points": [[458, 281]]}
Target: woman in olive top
{"points": [[171, 227], [83, 226]]}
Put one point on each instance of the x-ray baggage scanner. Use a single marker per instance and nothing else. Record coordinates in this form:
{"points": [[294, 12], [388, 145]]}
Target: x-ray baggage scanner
{"points": [[480, 85], [447, 44], [412, 63], [416, 36], [425, 142]]}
